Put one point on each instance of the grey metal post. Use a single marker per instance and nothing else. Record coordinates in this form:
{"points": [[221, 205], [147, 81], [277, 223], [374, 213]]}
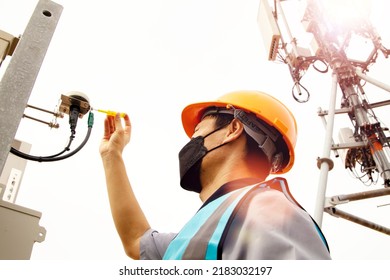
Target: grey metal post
{"points": [[19, 78], [325, 164]]}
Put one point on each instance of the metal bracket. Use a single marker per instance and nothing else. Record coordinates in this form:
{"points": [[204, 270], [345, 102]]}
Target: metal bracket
{"points": [[352, 145], [329, 161], [333, 201], [41, 235], [67, 101], [7, 44]]}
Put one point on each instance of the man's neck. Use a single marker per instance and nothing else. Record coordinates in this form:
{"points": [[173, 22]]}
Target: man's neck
{"points": [[224, 176]]}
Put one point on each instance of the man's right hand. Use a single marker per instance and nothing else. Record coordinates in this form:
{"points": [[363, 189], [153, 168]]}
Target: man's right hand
{"points": [[116, 136]]}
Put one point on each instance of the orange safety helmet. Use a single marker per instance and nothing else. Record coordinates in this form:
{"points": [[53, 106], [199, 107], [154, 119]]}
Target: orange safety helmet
{"points": [[265, 107]]}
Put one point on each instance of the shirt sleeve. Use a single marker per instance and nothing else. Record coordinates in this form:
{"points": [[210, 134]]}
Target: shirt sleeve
{"points": [[268, 226], [154, 244]]}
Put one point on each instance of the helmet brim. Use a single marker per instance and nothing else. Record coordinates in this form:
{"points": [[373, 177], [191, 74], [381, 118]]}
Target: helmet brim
{"points": [[192, 114]]}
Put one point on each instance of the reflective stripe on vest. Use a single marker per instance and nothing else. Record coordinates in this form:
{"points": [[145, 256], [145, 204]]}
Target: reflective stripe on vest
{"points": [[200, 237]]}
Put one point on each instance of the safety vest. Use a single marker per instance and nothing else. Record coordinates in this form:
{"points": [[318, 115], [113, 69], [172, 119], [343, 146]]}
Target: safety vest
{"points": [[200, 237]]}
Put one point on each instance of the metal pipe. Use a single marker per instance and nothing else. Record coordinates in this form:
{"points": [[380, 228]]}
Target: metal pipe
{"points": [[349, 110], [352, 218], [359, 196], [358, 110], [325, 166], [50, 124], [372, 80], [325, 123], [56, 114]]}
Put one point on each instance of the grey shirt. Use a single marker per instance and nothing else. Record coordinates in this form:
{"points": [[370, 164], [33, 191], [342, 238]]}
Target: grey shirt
{"points": [[267, 226]]}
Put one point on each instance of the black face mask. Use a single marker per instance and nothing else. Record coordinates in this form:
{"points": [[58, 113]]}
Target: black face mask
{"points": [[190, 160]]}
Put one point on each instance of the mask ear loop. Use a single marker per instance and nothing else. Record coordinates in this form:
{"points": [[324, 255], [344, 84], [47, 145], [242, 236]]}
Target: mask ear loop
{"points": [[216, 110]]}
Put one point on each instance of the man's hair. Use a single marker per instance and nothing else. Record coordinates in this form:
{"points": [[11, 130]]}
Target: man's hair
{"points": [[252, 148]]}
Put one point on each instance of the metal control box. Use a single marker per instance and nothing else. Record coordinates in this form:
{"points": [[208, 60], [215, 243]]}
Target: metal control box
{"points": [[19, 230]]}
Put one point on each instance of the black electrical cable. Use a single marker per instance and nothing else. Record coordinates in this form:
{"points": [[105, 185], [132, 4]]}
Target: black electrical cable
{"points": [[67, 148], [297, 98], [56, 157]]}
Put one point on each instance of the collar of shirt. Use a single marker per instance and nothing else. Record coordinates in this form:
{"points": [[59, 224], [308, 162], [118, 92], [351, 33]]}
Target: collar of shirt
{"points": [[231, 186]]}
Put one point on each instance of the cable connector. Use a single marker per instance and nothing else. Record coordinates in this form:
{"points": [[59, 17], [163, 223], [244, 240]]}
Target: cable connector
{"points": [[91, 119], [74, 112]]}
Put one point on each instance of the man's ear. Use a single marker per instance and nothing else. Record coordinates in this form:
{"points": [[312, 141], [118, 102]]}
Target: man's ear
{"points": [[234, 131]]}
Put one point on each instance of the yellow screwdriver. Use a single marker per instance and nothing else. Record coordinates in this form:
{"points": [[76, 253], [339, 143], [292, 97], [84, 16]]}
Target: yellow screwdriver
{"points": [[110, 113]]}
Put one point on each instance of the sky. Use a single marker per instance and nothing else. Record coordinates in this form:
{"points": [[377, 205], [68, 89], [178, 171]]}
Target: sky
{"points": [[150, 59]]}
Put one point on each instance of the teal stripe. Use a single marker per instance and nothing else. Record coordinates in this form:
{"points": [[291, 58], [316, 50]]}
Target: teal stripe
{"points": [[178, 246], [321, 235], [212, 247]]}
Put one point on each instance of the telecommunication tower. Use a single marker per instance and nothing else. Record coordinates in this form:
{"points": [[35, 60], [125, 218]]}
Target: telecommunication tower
{"points": [[365, 147]]}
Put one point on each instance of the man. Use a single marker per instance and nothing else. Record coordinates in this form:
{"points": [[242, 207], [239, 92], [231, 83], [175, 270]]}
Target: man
{"points": [[236, 142]]}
